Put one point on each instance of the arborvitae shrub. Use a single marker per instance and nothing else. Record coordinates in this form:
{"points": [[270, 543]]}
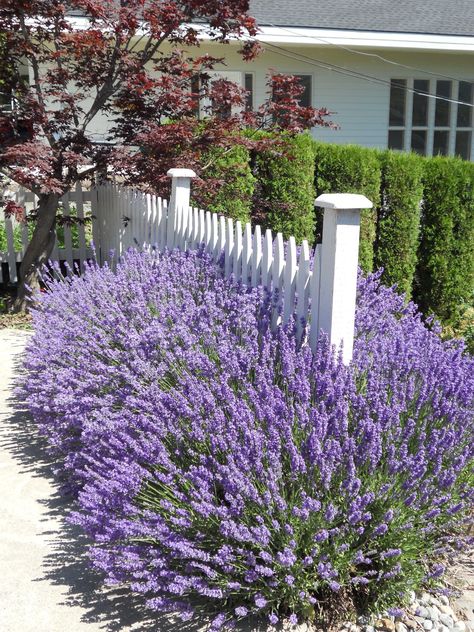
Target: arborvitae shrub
{"points": [[445, 272], [351, 169], [233, 183], [284, 194], [398, 224]]}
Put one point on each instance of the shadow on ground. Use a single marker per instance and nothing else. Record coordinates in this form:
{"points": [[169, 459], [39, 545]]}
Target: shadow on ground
{"points": [[67, 565]]}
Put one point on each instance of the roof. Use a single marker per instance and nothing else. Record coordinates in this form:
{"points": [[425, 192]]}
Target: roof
{"points": [[441, 17]]}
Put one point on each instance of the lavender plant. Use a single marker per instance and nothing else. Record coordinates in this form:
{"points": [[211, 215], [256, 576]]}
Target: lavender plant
{"points": [[222, 471]]}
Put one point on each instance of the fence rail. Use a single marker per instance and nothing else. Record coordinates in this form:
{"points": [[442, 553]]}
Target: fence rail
{"points": [[319, 287]]}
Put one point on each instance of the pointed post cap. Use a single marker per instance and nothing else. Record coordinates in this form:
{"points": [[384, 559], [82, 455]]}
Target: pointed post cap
{"points": [[181, 173], [343, 201]]}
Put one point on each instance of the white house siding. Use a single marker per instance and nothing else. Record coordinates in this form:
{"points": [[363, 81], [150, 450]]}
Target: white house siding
{"points": [[361, 107]]}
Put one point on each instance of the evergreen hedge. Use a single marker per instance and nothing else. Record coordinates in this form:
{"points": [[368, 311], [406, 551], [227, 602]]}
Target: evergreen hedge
{"points": [[398, 223], [351, 169], [445, 272], [284, 197], [234, 193]]}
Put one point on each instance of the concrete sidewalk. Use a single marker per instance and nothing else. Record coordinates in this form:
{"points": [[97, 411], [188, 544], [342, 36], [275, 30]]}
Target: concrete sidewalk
{"points": [[45, 582]]}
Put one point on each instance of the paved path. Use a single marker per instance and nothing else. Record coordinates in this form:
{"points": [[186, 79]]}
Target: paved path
{"points": [[45, 582]]}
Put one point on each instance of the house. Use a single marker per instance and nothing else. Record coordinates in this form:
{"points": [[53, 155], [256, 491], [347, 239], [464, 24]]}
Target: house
{"points": [[395, 74]]}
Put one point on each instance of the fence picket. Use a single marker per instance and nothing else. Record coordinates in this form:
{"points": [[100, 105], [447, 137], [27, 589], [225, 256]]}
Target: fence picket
{"points": [[302, 279], [81, 233], [195, 233], [208, 230], [314, 286], [277, 276], [229, 247], [289, 281], [96, 237], [67, 234], [247, 254], [267, 259], [237, 254], [25, 239], [124, 217], [256, 262], [222, 236], [214, 235], [11, 253]]}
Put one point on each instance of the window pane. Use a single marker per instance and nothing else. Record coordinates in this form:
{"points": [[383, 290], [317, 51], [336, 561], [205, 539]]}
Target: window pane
{"points": [[420, 102], [395, 139], [443, 108], [249, 87], [440, 143], [464, 111], [397, 101], [5, 99], [305, 98], [195, 87], [418, 141], [463, 145]]}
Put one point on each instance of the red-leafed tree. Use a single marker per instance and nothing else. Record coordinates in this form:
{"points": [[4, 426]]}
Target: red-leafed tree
{"points": [[136, 62]]}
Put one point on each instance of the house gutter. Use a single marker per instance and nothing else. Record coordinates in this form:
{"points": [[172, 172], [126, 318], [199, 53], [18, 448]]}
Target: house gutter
{"points": [[324, 38]]}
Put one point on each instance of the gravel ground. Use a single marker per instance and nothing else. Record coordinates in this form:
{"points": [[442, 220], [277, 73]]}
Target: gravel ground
{"points": [[45, 582]]}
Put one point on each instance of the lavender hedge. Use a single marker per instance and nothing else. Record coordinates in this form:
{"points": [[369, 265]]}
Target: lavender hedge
{"points": [[222, 472]]}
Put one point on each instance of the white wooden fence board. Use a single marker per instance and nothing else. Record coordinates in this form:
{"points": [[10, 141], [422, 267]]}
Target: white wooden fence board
{"points": [[214, 235], [314, 286], [11, 253], [247, 254], [229, 248], [81, 234], [289, 281], [267, 259], [237, 255], [124, 218], [302, 279], [256, 263], [67, 233]]}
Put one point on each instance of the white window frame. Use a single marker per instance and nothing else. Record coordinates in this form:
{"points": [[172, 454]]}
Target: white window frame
{"points": [[430, 128]]}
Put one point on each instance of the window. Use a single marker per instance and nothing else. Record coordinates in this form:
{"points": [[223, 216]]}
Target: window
{"points": [[305, 99], [248, 85], [201, 105], [427, 125]]}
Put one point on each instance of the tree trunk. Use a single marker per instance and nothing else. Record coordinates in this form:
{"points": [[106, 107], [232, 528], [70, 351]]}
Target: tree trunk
{"points": [[38, 251]]}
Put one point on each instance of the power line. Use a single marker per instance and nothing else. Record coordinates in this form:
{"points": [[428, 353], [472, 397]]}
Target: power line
{"points": [[354, 73], [365, 54]]}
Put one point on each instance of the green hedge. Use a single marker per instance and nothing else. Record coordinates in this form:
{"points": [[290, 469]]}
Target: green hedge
{"points": [[284, 195], [233, 197], [445, 272], [398, 224], [351, 169]]}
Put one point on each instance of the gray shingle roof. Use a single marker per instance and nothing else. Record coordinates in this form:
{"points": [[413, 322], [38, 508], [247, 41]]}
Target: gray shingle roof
{"points": [[442, 17]]}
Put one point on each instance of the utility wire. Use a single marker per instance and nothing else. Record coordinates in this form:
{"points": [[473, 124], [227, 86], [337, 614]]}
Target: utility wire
{"points": [[353, 73], [365, 54]]}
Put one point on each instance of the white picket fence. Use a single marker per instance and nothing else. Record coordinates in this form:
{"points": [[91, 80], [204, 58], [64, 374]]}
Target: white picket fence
{"points": [[319, 287], [84, 203]]}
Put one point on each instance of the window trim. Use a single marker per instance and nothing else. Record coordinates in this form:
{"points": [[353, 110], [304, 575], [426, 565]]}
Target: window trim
{"points": [[431, 128]]}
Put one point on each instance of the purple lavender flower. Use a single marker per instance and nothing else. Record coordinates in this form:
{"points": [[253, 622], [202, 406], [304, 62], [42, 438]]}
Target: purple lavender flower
{"points": [[210, 456]]}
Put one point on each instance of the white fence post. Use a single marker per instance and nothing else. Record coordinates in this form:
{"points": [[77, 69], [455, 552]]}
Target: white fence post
{"points": [[339, 257], [179, 200]]}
